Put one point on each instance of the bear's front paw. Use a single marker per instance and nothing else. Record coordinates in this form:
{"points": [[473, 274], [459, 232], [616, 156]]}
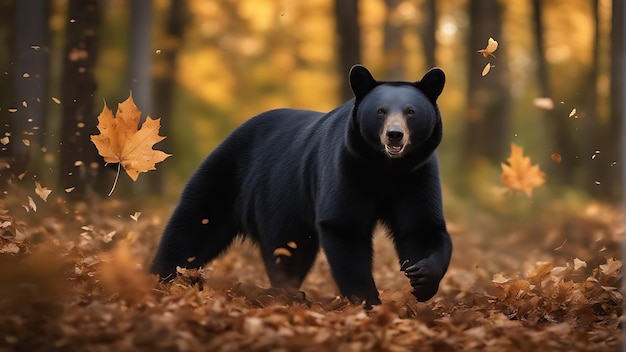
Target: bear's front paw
{"points": [[424, 278]]}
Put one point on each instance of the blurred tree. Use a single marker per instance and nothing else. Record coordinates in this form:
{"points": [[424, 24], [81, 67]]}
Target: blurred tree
{"points": [[30, 80], [349, 41], [612, 151], [427, 32], [393, 47], [7, 40], [164, 80], [80, 163], [559, 138], [140, 78], [592, 140], [486, 133]]}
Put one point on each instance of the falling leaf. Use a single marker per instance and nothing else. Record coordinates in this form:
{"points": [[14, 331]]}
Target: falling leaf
{"points": [[544, 103], [561, 246], [292, 245], [136, 215], [486, 69], [4, 140], [491, 47], [31, 204], [556, 157], [69, 190], [121, 142], [520, 174], [56, 100], [42, 192], [12, 110], [572, 113], [205, 221]]}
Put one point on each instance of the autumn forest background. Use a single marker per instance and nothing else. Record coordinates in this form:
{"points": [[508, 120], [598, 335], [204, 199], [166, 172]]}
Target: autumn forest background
{"points": [[539, 269]]}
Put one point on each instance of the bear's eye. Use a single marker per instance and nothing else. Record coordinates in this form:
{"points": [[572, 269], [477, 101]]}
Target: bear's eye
{"points": [[410, 112], [381, 112]]}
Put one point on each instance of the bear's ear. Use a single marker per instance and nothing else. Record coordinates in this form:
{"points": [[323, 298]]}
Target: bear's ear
{"points": [[432, 83], [361, 81]]}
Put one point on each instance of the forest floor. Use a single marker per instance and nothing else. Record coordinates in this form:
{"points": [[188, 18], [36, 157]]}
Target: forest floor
{"points": [[74, 279]]}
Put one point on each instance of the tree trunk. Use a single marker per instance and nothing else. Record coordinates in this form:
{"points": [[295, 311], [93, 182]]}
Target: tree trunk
{"points": [[349, 41], [592, 140], [140, 80], [392, 45], [30, 80], [486, 135], [165, 82], [557, 133], [81, 166], [614, 151], [427, 33]]}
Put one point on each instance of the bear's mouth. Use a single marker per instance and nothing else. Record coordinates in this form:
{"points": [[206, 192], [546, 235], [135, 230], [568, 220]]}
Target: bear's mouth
{"points": [[394, 150]]}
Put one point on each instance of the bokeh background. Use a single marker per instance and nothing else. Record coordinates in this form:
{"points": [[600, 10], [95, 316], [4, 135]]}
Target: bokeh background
{"points": [[204, 67]]}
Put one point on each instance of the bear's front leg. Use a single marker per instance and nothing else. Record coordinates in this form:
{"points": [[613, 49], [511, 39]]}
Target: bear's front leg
{"points": [[350, 258], [424, 259]]}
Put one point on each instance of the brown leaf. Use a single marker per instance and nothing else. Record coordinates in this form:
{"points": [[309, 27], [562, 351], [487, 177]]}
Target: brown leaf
{"points": [[42, 192], [520, 174], [121, 142], [492, 46], [486, 69]]}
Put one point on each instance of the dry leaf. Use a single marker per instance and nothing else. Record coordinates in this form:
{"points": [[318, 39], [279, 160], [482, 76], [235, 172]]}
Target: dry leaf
{"points": [[136, 215], [520, 174], [56, 100], [572, 113], [486, 69], [544, 103], [31, 204], [69, 190], [579, 264], [121, 142], [42, 192], [612, 267], [499, 278], [10, 248], [556, 157], [491, 47], [4, 140]]}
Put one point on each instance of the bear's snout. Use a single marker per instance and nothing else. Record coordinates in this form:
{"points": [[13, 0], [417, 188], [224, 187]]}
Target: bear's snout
{"points": [[395, 135]]}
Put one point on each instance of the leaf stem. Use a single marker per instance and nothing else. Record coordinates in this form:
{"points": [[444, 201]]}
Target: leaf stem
{"points": [[117, 175]]}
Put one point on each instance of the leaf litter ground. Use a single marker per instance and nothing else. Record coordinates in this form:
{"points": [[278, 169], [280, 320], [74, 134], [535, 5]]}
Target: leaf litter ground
{"points": [[74, 280]]}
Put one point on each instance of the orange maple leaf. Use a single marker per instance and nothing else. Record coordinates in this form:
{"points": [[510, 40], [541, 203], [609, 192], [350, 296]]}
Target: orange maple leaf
{"points": [[520, 174], [120, 140]]}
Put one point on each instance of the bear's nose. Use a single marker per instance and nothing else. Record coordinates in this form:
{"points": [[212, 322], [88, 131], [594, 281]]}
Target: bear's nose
{"points": [[394, 134]]}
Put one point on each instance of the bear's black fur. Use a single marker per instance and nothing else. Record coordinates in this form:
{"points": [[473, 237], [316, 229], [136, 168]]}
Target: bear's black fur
{"points": [[293, 180]]}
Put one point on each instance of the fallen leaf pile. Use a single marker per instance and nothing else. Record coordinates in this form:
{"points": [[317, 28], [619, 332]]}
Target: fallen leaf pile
{"points": [[75, 280]]}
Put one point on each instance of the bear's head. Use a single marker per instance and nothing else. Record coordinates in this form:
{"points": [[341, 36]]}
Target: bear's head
{"points": [[398, 118]]}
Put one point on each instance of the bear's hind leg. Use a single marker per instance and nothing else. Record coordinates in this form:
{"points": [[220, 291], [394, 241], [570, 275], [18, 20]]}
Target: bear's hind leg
{"points": [[191, 240], [287, 264]]}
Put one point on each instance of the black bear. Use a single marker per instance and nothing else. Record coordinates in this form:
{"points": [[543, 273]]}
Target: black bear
{"points": [[295, 180]]}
